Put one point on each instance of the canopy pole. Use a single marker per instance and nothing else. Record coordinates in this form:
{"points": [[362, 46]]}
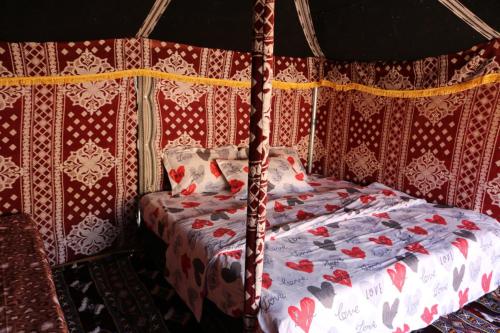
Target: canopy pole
{"points": [[153, 17], [305, 18], [312, 134], [258, 161], [463, 13]]}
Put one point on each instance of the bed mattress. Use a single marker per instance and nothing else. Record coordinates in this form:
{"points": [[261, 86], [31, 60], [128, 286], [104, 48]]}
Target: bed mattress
{"points": [[28, 301], [343, 258]]}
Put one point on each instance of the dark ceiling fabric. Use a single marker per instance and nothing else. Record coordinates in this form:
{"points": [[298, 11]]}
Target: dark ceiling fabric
{"points": [[63, 20], [362, 30]]}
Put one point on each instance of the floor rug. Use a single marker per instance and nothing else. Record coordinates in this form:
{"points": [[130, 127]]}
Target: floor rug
{"points": [[125, 293]]}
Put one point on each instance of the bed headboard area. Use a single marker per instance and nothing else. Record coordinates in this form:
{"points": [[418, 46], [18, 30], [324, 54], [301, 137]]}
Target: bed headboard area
{"points": [[204, 115], [428, 127]]}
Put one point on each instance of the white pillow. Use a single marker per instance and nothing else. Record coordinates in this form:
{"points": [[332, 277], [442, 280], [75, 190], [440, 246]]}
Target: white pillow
{"points": [[282, 178], [194, 170], [288, 152]]}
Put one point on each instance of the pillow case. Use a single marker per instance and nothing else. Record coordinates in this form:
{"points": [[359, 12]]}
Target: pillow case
{"points": [[291, 155], [194, 170], [287, 152], [282, 178]]}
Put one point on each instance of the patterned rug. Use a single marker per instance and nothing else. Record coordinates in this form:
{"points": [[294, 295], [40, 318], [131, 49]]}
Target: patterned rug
{"points": [[125, 293]]}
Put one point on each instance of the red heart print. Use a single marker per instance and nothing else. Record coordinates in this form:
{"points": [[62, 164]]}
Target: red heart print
{"points": [[189, 190], [302, 215], [280, 208], [245, 169], [177, 175], [299, 176], [227, 210], [290, 160], [469, 225], [314, 184], [199, 223], [485, 281], [319, 231], [305, 196], [190, 204], [236, 185], [343, 195], [303, 317], [304, 265], [339, 276], [462, 245], [382, 240], [222, 197], [331, 208], [463, 297], [398, 275], [388, 193], [405, 329], [381, 215], [233, 254], [224, 231], [214, 169], [429, 314], [366, 198], [416, 247], [437, 219], [185, 264], [355, 252], [266, 281], [418, 230]]}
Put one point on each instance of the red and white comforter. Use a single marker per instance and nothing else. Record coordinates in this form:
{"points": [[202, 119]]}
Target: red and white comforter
{"points": [[341, 259]]}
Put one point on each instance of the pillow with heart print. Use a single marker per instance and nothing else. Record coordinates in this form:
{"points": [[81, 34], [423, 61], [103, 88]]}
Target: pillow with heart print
{"points": [[289, 153], [236, 174], [292, 157], [194, 170], [283, 179]]}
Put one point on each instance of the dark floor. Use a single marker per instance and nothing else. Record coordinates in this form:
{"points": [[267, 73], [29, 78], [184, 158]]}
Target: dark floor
{"points": [[126, 293]]}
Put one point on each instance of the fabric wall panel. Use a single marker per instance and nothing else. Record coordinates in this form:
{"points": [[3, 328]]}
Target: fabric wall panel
{"points": [[69, 159], [212, 116], [443, 148]]}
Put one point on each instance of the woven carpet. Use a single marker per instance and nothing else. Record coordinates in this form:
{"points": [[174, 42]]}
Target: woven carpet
{"points": [[125, 293]]}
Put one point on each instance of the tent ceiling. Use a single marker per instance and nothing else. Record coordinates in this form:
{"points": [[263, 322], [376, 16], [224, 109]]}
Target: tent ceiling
{"points": [[346, 29]]}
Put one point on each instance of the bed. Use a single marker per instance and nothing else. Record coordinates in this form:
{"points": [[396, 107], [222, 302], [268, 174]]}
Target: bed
{"points": [[340, 258], [28, 301]]}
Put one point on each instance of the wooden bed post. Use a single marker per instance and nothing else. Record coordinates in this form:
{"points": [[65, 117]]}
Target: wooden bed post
{"points": [[260, 118]]}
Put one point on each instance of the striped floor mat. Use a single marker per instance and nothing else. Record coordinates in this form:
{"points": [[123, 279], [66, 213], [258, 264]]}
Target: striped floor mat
{"points": [[124, 293]]}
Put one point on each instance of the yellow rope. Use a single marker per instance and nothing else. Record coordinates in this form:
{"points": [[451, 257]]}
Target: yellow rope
{"points": [[36, 80]]}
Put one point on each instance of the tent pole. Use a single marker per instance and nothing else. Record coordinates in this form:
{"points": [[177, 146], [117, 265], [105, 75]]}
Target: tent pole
{"points": [[153, 17], [310, 148], [258, 161]]}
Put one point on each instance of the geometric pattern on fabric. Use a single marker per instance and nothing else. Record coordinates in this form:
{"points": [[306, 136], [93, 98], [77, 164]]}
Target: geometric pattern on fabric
{"points": [[214, 116], [68, 152], [51, 134], [445, 149], [258, 157], [454, 161]]}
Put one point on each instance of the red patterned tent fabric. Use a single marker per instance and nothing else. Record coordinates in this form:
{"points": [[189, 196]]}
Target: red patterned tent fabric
{"points": [[54, 128], [196, 114], [68, 152], [443, 148]]}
